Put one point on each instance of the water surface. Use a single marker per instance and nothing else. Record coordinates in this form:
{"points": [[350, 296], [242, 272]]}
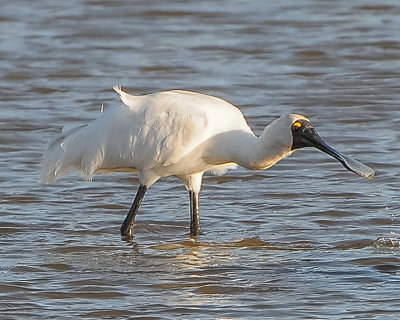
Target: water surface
{"points": [[304, 239]]}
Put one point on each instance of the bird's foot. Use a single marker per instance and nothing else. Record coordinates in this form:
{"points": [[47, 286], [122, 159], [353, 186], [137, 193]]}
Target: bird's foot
{"points": [[127, 233], [195, 233]]}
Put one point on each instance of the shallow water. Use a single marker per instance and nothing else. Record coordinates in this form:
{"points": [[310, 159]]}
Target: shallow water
{"points": [[304, 239]]}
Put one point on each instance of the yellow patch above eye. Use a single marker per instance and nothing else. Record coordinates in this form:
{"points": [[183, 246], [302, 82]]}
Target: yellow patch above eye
{"points": [[297, 124]]}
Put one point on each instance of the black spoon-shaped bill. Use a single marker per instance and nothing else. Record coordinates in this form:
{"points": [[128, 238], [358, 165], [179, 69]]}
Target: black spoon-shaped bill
{"points": [[305, 135], [348, 162]]}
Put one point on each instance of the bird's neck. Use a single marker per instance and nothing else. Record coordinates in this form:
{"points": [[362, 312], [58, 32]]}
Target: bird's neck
{"points": [[268, 149], [250, 151]]}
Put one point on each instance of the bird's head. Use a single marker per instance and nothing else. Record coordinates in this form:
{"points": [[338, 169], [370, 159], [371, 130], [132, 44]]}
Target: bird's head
{"points": [[304, 135]]}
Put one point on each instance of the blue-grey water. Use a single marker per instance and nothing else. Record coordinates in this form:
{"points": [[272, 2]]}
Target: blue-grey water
{"points": [[305, 239]]}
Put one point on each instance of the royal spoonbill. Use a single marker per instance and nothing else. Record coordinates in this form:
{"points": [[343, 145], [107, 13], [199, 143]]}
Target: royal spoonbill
{"points": [[183, 134]]}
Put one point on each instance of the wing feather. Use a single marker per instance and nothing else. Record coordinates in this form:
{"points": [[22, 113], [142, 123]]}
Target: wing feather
{"points": [[154, 131]]}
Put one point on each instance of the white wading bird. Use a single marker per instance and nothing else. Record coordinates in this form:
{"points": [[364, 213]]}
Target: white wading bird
{"points": [[183, 134]]}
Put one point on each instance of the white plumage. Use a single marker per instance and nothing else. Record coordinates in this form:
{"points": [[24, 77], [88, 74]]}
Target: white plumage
{"points": [[177, 133], [166, 133]]}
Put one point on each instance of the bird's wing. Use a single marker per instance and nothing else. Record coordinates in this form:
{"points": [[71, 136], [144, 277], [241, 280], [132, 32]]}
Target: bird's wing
{"points": [[123, 138], [154, 131]]}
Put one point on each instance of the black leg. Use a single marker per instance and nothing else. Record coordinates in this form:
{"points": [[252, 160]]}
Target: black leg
{"points": [[127, 225], [194, 214]]}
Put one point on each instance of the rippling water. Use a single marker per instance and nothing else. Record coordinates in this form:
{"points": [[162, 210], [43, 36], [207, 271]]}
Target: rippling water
{"points": [[304, 239]]}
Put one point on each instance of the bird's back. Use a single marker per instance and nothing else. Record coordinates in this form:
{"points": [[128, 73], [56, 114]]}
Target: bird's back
{"points": [[150, 131]]}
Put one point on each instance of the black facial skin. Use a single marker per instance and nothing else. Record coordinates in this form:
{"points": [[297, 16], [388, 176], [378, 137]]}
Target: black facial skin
{"points": [[304, 135]]}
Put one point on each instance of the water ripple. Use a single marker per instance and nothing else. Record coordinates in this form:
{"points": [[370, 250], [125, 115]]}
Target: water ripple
{"points": [[304, 239]]}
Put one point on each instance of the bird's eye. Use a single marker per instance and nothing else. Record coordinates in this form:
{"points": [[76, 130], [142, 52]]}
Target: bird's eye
{"points": [[297, 125]]}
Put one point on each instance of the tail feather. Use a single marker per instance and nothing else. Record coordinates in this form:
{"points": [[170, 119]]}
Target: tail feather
{"points": [[81, 147], [63, 153]]}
